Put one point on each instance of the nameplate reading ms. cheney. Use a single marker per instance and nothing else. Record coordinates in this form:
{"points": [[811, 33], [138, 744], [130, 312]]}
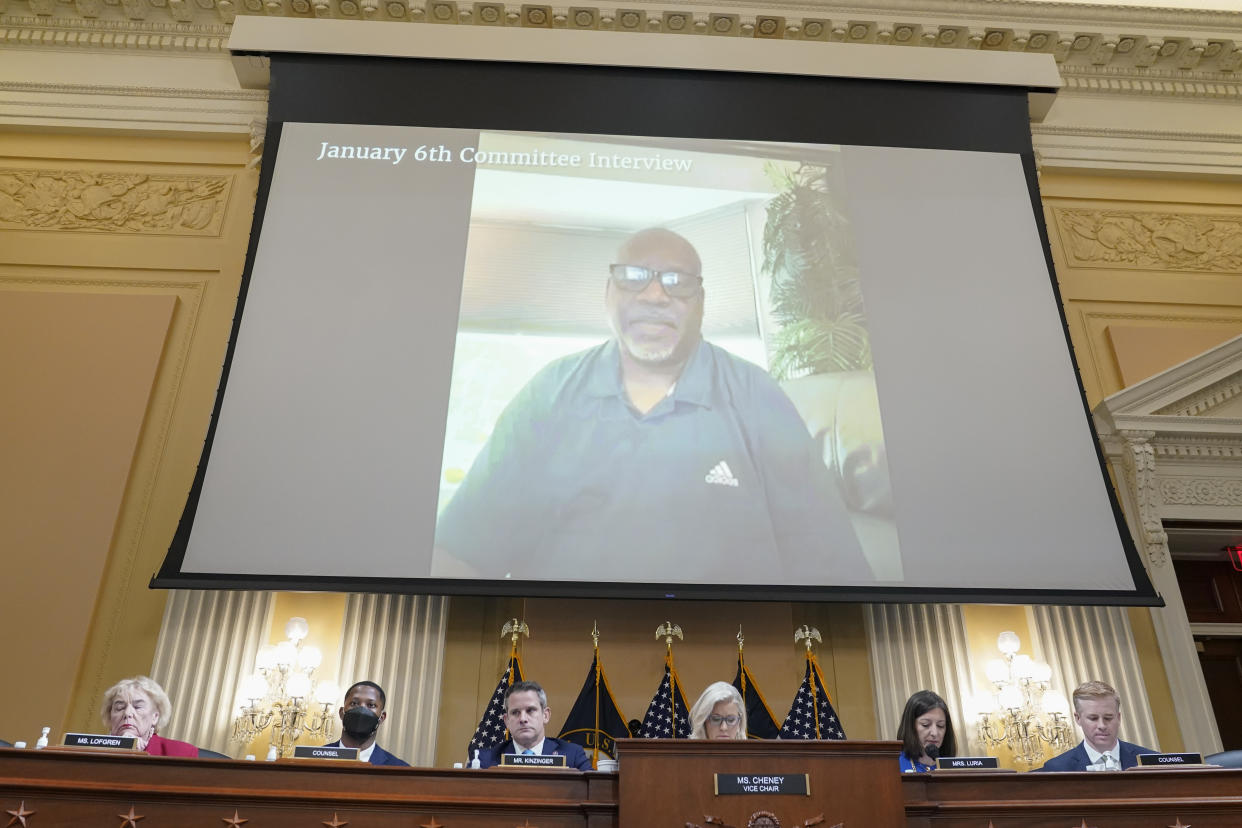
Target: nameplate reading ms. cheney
{"points": [[312, 752], [522, 760], [100, 741], [797, 784]]}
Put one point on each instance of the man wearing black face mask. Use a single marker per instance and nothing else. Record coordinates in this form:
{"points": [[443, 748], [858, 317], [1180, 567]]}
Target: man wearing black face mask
{"points": [[361, 716]]}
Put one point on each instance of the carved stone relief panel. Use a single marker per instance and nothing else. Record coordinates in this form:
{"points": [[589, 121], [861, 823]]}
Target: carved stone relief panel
{"points": [[112, 202], [1151, 241], [1202, 491]]}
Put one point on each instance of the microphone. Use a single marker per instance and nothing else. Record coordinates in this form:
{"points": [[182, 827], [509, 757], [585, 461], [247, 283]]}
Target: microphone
{"points": [[932, 751]]}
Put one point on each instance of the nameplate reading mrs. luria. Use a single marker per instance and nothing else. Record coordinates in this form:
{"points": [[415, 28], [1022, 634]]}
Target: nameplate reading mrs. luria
{"points": [[797, 784], [968, 763], [100, 741], [523, 760], [1164, 760], [314, 752]]}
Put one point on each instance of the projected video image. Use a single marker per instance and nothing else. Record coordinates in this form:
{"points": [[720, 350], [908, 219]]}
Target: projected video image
{"points": [[589, 363], [662, 370]]}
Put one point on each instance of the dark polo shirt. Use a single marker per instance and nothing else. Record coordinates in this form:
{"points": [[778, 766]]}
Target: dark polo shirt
{"points": [[720, 482]]}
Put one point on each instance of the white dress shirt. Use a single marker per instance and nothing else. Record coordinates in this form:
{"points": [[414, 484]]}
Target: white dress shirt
{"points": [[1108, 761]]}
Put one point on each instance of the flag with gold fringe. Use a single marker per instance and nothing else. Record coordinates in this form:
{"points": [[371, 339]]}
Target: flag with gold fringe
{"points": [[595, 722], [812, 716], [668, 715], [760, 723], [491, 729]]}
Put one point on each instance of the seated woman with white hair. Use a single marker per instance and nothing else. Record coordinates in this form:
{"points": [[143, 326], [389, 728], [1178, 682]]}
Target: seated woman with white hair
{"points": [[719, 713], [136, 707]]}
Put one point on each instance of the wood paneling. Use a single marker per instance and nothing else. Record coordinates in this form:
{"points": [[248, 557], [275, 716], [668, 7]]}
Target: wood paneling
{"points": [[53, 788]]}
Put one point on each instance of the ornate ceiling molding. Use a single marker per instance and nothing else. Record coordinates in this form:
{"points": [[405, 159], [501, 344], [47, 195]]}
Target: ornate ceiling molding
{"points": [[1206, 399], [1099, 48], [1124, 56]]}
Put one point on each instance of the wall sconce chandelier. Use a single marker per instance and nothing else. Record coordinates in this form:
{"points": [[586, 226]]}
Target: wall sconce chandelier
{"points": [[1022, 712], [280, 694]]}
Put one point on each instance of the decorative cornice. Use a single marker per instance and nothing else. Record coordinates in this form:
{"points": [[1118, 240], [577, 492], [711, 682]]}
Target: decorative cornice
{"points": [[1106, 49], [1183, 448], [1110, 80], [1206, 399], [135, 91], [204, 35], [1060, 130]]}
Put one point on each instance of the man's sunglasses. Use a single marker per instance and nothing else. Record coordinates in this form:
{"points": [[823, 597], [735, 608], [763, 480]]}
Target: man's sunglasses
{"points": [[634, 279]]}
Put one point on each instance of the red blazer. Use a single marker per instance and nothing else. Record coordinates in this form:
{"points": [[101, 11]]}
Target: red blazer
{"points": [[159, 746]]}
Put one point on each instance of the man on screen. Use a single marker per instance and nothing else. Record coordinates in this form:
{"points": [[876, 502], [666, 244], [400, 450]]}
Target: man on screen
{"points": [[1097, 710], [655, 456], [526, 717]]}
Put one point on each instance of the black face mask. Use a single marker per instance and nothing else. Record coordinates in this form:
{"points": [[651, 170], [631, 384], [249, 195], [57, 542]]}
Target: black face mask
{"points": [[359, 723]]}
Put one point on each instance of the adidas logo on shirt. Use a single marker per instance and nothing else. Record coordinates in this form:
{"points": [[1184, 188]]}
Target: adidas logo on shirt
{"points": [[720, 475]]}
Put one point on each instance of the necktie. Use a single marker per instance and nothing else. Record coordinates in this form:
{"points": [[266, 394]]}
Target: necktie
{"points": [[528, 752], [1104, 763]]}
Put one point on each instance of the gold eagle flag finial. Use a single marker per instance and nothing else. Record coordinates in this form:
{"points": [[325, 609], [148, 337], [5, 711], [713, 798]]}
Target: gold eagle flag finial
{"points": [[595, 633], [667, 631], [741, 639], [514, 628], [808, 634]]}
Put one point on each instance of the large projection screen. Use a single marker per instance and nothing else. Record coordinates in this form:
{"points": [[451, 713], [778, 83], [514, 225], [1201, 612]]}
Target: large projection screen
{"points": [[614, 349]]}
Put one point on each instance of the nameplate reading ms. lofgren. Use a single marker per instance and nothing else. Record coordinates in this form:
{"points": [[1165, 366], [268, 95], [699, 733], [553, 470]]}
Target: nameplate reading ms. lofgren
{"points": [[521, 760], [797, 784], [313, 752], [968, 763], [1164, 760], [100, 741]]}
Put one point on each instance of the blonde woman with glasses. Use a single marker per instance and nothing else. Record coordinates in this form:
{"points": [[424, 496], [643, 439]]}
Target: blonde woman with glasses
{"points": [[719, 713]]}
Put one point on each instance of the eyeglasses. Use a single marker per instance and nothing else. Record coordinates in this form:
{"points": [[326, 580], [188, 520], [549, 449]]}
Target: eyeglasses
{"points": [[634, 279], [728, 721]]}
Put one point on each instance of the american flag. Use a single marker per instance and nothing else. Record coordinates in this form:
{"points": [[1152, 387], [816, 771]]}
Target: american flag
{"points": [[659, 723], [491, 730], [812, 716]]}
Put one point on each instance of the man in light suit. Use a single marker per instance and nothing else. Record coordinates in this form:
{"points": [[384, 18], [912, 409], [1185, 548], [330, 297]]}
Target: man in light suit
{"points": [[1097, 709], [361, 716], [526, 716]]}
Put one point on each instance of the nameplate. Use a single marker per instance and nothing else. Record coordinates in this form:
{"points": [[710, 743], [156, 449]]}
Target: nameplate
{"points": [[100, 741], [1162, 760], [795, 784], [312, 752], [523, 760], [968, 763]]}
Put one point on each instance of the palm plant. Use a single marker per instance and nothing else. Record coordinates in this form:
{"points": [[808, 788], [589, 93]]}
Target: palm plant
{"points": [[815, 297]]}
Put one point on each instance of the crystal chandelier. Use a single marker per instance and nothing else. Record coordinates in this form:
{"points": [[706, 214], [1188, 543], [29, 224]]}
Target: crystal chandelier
{"points": [[279, 694], [1022, 712]]}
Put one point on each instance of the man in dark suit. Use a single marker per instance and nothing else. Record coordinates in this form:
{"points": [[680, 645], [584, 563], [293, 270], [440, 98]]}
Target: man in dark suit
{"points": [[361, 716], [1097, 709], [526, 716]]}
